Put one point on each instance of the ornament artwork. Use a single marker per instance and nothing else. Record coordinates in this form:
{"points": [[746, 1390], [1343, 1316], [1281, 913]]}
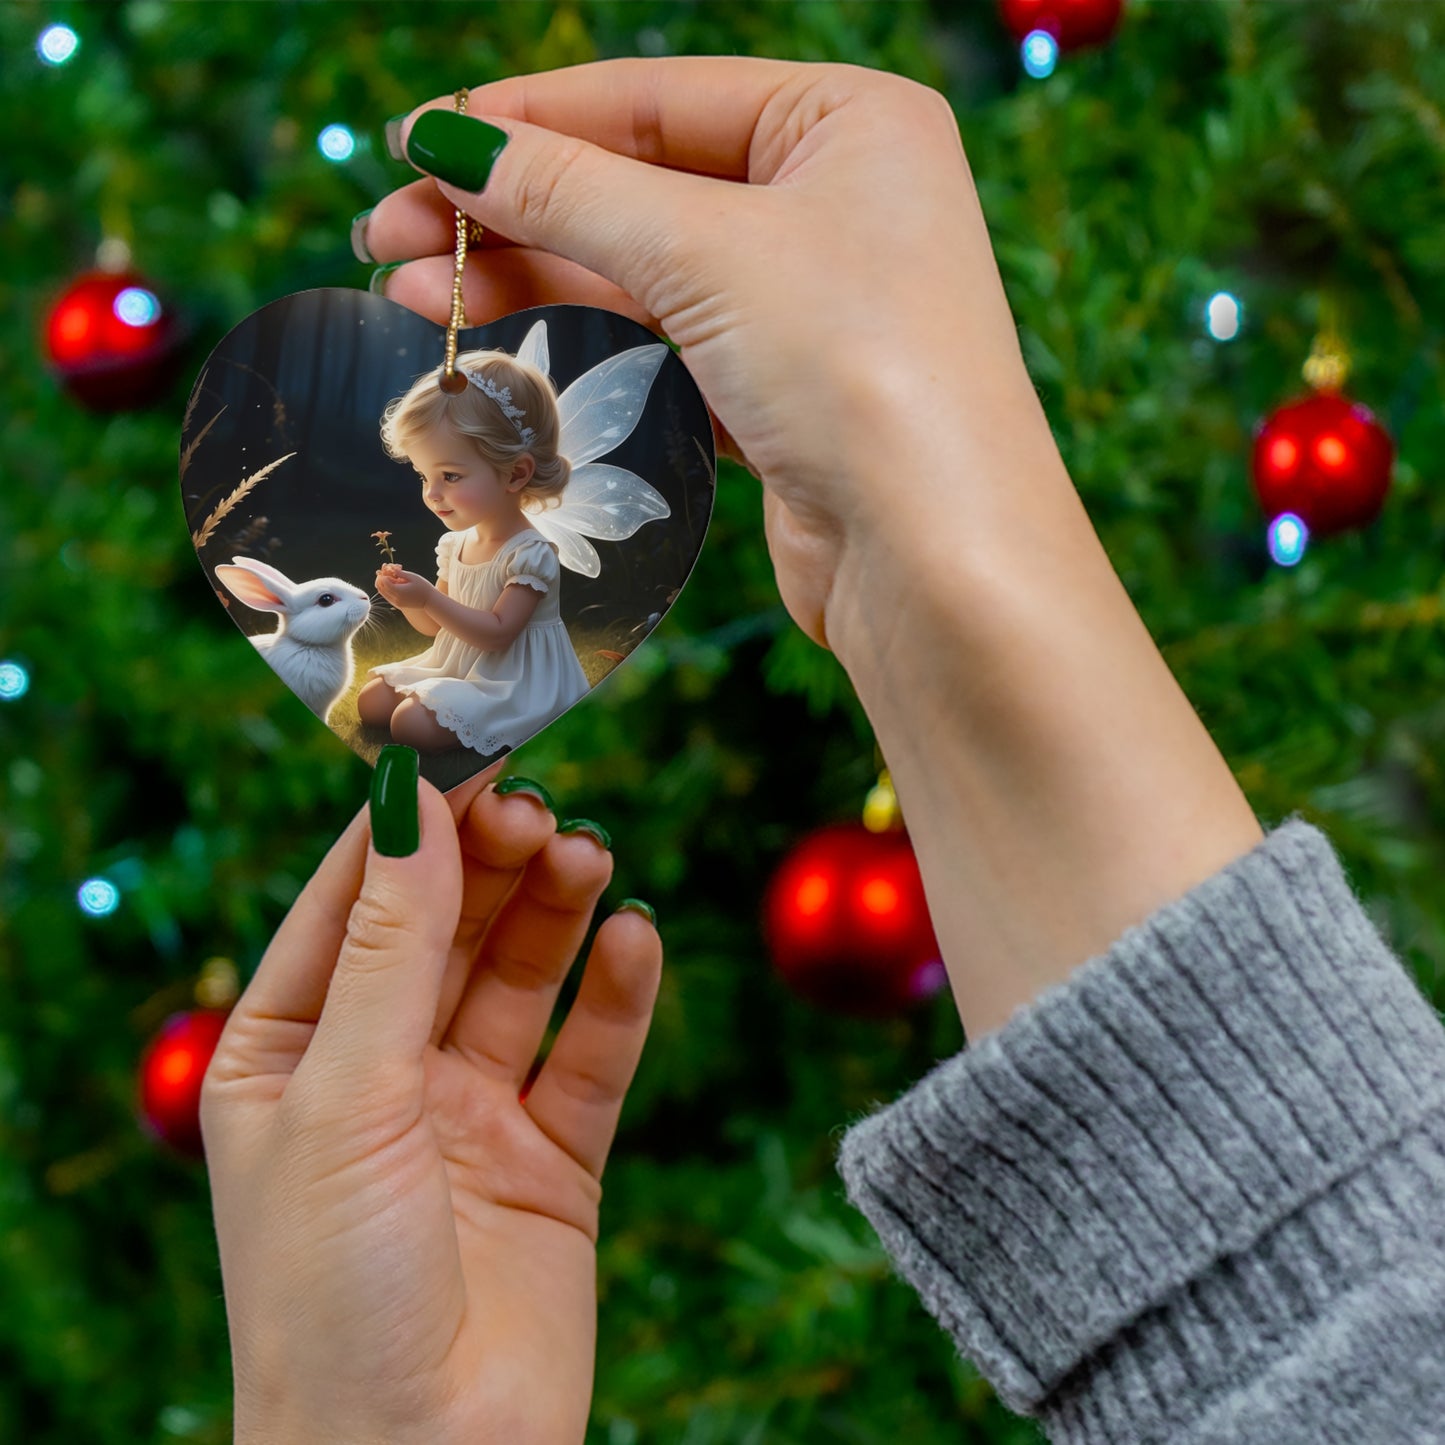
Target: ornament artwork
{"points": [[112, 342], [847, 924], [1074, 24], [415, 562], [1323, 458]]}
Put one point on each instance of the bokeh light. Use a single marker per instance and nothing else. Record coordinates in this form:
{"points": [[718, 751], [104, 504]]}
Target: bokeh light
{"points": [[1223, 316], [1040, 52], [1288, 538], [57, 44], [14, 681], [336, 143], [98, 897], [137, 307]]}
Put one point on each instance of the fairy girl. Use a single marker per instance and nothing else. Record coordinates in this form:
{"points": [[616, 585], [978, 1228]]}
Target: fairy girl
{"points": [[507, 466]]}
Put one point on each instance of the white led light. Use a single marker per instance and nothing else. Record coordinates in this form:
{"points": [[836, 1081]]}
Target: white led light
{"points": [[136, 306], [14, 681], [336, 143], [98, 897], [57, 44], [1040, 52]]}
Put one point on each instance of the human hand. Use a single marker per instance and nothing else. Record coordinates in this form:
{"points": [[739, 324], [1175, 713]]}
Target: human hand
{"points": [[842, 312], [402, 588], [407, 1246]]}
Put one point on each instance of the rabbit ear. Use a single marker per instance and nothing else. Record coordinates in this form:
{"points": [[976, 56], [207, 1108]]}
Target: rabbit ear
{"points": [[265, 569], [254, 591]]}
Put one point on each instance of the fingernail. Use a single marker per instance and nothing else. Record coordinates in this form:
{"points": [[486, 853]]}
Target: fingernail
{"points": [[586, 825], [515, 784], [455, 148], [395, 820], [377, 284], [358, 237], [638, 906], [393, 137]]}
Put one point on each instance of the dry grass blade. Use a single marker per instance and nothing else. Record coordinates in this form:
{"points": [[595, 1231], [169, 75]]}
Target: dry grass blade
{"points": [[190, 451], [191, 404], [204, 535]]}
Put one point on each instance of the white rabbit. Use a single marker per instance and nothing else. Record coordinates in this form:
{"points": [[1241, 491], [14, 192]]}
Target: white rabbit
{"points": [[310, 650]]}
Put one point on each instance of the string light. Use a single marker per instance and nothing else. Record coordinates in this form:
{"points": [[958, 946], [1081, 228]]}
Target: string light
{"points": [[1288, 538], [336, 143], [14, 681], [1223, 316], [98, 897], [57, 44], [1040, 52]]}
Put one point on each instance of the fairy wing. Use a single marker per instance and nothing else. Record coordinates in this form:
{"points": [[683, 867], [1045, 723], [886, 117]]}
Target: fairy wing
{"points": [[600, 501], [600, 409], [598, 412], [534, 349]]}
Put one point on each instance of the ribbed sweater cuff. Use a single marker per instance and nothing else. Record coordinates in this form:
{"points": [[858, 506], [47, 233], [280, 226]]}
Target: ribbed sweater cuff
{"points": [[1133, 1189]]}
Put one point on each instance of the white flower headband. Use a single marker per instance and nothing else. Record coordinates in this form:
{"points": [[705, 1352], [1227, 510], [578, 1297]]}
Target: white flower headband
{"points": [[503, 397]]}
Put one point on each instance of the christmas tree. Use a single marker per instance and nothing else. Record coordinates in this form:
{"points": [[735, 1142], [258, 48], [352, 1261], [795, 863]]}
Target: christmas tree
{"points": [[1180, 212]]}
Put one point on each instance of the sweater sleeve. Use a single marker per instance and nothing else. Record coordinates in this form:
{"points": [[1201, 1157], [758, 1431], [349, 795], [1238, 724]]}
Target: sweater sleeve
{"points": [[1193, 1192]]}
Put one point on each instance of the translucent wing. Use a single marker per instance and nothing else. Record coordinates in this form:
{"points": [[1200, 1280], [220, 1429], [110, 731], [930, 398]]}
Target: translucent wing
{"points": [[574, 551], [600, 409], [534, 349], [600, 501]]}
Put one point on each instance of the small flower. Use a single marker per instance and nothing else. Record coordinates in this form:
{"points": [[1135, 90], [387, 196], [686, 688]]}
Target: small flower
{"points": [[385, 545]]}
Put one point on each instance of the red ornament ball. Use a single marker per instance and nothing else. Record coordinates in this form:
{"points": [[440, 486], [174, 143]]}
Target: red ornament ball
{"points": [[847, 924], [171, 1072], [1324, 458], [1073, 23], [112, 342]]}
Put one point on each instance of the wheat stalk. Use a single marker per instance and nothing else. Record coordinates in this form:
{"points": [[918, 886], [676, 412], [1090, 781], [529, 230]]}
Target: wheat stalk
{"points": [[204, 535], [190, 451]]}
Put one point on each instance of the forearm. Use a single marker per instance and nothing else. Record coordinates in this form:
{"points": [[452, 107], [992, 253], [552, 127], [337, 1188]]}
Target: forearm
{"points": [[1057, 784], [474, 626], [422, 620]]}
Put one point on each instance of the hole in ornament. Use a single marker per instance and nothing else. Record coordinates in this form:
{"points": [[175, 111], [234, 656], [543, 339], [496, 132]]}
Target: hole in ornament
{"points": [[452, 384]]}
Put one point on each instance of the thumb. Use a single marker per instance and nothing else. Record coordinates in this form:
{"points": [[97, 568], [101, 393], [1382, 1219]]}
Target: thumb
{"points": [[382, 1000], [639, 226]]}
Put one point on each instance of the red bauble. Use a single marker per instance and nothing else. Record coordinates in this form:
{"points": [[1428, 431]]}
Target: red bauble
{"points": [[112, 342], [1073, 23], [171, 1072], [847, 923], [1324, 458]]}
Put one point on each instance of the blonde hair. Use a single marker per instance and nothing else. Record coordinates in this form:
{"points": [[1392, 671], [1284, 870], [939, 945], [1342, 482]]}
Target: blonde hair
{"points": [[472, 413]]}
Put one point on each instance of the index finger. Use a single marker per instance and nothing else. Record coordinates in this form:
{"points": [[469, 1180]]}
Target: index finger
{"points": [[698, 113]]}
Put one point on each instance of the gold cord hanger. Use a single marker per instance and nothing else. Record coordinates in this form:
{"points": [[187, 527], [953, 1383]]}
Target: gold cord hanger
{"points": [[451, 380]]}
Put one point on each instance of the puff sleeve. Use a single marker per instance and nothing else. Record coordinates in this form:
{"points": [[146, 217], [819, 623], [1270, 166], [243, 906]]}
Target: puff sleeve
{"points": [[533, 563], [446, 550]]}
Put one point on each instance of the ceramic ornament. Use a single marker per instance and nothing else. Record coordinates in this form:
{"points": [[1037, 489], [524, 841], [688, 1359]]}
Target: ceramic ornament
{"points": [[367, 513]]}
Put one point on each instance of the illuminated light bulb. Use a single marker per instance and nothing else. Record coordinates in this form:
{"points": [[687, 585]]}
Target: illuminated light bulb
{"points": [[1223, 316], [336, 143], [1040, 54], [1288, 538], [98, 897], [57, 44], [136, 306]]}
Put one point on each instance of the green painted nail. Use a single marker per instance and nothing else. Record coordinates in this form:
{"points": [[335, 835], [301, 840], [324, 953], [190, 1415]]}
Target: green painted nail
{"points": [[455, 148], [586, 825], [377, 284], [515, 784], [638, 906], [358, 237], [395, 820]]}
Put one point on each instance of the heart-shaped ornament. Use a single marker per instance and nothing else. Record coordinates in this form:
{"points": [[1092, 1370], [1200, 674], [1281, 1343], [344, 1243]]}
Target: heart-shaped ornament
{"points": [[452, 569]]}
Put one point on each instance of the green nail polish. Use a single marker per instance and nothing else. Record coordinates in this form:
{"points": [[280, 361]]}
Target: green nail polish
{"points": [[638, 906], [358, 237], [586, 825], [455, 148], [395, 820], [515, 784], [393, 136], [377, 284]]}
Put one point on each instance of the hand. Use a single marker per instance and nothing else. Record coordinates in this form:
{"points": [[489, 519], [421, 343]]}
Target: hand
{"points": [[404, 589], [843, 313], [408, 1249]]}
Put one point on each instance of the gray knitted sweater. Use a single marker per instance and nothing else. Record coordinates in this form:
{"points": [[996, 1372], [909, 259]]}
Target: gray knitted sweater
{"points": [[1195, 1192]]}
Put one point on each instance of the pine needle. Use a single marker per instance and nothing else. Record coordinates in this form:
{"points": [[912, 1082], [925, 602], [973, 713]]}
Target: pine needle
{"points": [[204, 535]]}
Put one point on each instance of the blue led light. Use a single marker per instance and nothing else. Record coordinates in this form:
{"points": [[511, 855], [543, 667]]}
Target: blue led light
{"points": [[1223, 316], [136, 306], [14, 681], [98, 897], [336, 143], [1288, 538], [57, 44], [1040, 52]]}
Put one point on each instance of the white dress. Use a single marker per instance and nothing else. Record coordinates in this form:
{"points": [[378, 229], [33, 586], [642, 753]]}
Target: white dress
{"points": [[494, 700]]}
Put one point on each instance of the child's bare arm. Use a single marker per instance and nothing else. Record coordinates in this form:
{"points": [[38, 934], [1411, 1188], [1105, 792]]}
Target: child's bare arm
{"points": [[492, 631]]}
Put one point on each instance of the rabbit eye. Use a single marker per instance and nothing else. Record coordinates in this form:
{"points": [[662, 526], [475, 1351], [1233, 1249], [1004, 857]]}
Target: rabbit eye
{"points": [[325, 600]]}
